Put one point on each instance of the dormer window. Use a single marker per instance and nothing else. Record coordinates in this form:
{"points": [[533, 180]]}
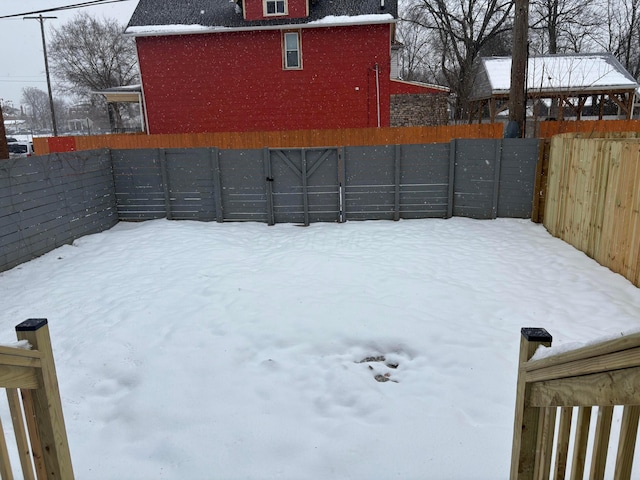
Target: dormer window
{"points": [[275, 7]]}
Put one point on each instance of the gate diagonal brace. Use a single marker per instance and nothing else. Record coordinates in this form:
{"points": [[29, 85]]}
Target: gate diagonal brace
{"points": [[286, 160]]}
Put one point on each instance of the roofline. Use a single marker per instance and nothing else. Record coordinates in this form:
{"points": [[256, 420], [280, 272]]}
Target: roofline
{"points": [[200, 29], [424, 85], [550, 93]]}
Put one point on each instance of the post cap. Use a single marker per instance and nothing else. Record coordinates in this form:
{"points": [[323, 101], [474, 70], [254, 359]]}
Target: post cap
{"points": [[536, 335], [31, 325]]}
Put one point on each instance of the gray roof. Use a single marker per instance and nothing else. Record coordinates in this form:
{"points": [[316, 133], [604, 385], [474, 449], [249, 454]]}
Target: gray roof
{"points": [[225, 14]]}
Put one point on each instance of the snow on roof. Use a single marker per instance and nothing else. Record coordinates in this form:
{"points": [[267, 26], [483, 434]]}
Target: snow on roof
{"points": [[166, 17], [553, 73], [330, 20]]}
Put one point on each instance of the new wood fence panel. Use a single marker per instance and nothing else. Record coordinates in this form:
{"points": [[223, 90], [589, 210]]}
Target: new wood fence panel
{"points": [[273, 139], [593, 198], [594, 128]]}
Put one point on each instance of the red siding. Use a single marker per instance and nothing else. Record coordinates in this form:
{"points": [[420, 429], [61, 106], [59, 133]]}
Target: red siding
{"points": [[401, 87], [254, 10], [235, 81]]}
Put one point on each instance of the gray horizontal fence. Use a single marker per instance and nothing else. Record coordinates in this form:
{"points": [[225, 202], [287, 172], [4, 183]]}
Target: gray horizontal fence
{"points": [[49, 201], [472, 178]]}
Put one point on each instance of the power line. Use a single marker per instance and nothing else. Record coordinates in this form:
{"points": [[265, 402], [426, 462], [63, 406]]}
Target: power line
{"points": [[89, 3]]}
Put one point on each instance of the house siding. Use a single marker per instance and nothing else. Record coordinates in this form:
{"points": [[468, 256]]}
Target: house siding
{"points": [[254, 9], [211, 82]]}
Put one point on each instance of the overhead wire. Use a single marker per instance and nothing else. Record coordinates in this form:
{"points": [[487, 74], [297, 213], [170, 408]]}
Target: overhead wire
{"points": [[88, 3]]}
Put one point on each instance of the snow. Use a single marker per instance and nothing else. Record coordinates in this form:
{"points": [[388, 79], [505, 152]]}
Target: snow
{"points": [[203, 350], [172, 29], [330, 20], [351, 20], [561, 72]]}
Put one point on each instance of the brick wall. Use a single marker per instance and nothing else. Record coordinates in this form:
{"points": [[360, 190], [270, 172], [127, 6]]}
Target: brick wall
{"points": [[419, 110]]}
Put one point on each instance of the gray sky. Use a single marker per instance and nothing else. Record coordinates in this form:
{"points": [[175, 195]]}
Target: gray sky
{"points": [[21, 57]]}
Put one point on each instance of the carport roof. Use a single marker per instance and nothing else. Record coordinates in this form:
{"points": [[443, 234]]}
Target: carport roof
{"points": [[555, 75]]}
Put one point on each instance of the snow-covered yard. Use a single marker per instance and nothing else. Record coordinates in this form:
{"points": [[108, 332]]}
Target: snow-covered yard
{"points": [[199, 350]]}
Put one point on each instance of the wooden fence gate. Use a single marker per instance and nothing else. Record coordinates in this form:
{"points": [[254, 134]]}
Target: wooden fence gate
{"points": [[304, 185]]}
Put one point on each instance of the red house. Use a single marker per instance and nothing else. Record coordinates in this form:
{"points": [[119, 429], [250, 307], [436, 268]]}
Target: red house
{"points": [[250, 65]]}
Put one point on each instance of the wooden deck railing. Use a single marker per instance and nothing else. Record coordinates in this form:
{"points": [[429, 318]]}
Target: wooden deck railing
{"points": [[29, 377], [603, 375]]}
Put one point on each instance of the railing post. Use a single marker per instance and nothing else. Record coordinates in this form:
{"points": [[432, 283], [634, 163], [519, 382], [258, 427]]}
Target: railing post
{"points": [[527, 418], [47, 406]]}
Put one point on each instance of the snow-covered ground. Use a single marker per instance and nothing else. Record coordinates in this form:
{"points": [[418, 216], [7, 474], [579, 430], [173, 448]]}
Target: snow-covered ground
{"points": [[193, 350]]}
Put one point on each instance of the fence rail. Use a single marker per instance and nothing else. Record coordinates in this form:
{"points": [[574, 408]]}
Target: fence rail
{"points": [[29, 377], [602, 375], [275, 139], [596, 127]]}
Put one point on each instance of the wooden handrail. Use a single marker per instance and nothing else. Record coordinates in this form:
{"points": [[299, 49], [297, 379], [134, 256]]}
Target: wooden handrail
{"points": [[588, 351], [601, 375], [31, 384]]}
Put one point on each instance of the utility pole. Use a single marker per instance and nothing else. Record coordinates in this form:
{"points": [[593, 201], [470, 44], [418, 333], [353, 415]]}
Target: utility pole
{"points": [[519, 59], [41, 19]]}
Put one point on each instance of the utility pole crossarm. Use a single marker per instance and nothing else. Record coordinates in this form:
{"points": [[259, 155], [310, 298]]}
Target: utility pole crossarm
{"points": [[41, 19]]}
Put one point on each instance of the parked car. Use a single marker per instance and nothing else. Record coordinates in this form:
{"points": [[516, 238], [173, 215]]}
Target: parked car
{"points": [[10, 139], [20, 149]]}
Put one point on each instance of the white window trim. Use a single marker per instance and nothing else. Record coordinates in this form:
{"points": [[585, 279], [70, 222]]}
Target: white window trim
{"points": [[277, 14], [284, 50]]}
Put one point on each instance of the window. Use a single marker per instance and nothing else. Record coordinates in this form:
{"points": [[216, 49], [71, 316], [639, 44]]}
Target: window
{"points": [[275, 7], [292, 50]]}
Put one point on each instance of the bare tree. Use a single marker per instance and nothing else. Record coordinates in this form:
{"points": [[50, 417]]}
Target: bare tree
{"points": [[623, 33], [417, 62], [89, 54], [37, 103], [560, 26], [462, 31]]}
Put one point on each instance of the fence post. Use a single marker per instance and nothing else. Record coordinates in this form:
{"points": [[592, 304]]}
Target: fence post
{"points": [[162, 153], [266, 159], [452, 173], [214, 162], [47, 406], [396, 167], [497, 163], [527, 418]]}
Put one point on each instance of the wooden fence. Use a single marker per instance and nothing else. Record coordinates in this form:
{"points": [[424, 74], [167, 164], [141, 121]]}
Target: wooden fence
{"points": [[549, 129], [276, 139], [42, 446], [603, 375], [592, 198]]}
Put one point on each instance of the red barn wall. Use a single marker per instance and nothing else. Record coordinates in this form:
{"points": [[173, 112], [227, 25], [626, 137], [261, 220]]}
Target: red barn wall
{"points": [[235, 81]]}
